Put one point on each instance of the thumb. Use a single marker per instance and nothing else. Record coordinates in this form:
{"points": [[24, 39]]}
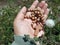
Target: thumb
{"points": [[20, 15]]}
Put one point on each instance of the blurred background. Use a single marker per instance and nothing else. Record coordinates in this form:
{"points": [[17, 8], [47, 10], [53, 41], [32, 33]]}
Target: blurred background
{"points": [[8, 12]]}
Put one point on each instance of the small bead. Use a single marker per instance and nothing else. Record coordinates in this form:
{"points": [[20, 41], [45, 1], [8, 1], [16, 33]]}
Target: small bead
{"points": [[38, 19], [33, 21], [35, 17], [28, 14], [36, 12], [39, 15], [32, 15]]}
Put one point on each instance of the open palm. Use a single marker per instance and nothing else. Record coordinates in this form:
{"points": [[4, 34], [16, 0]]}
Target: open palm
{"points": [[23, 26]]}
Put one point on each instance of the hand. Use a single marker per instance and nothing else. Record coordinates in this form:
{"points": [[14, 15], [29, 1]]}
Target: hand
{"points": [[22, 26]]}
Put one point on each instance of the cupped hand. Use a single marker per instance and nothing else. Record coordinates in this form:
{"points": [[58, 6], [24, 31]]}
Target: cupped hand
{"points": [[23, 26]]}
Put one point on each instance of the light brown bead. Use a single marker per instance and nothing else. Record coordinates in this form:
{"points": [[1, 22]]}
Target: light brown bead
{"points": [[36, 12], [33, 18], [36, 18], [33, 21], [39, 15], [32, 15]]}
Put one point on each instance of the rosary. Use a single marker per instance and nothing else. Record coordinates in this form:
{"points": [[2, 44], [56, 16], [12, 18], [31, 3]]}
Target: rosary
{"points": [[36, 17]]}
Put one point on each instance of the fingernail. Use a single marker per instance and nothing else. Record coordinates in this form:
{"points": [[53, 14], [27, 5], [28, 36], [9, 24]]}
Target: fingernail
{"points": [[36, 0], [41, 4], [46, 4], [24, 7], [42, 1]]}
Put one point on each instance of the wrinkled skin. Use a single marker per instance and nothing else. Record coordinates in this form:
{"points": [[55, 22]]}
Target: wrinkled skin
{"points": [[22, 26]]}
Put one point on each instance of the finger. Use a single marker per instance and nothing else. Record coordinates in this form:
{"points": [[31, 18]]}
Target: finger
{"points": [[41, 33], [42, 11], [46, 11], [45, 7], [34, 25], [41, 25], [45, 15], [41, 4], [20, 15], [34, 5]]}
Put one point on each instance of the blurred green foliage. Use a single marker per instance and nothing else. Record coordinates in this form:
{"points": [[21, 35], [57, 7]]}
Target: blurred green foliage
{"points": [[9, 12]]}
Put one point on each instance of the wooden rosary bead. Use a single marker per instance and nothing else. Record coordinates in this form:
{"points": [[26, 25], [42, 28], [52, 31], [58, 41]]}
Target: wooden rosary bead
{"points": [[38, 19], [32, 15], [36, 12], [35, 18]]}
